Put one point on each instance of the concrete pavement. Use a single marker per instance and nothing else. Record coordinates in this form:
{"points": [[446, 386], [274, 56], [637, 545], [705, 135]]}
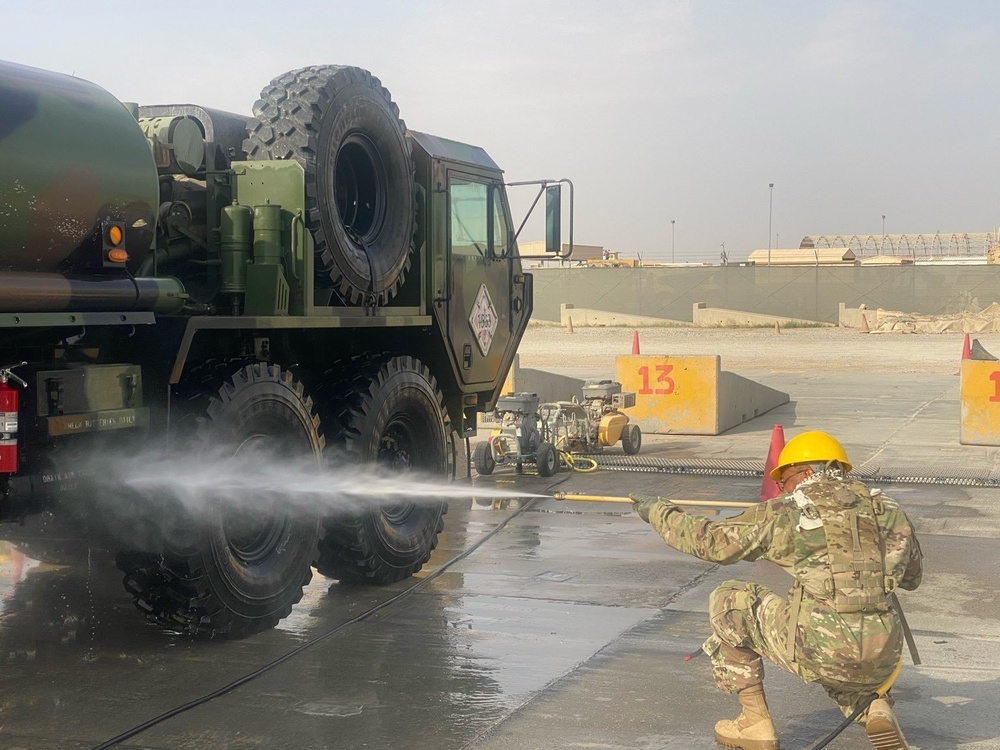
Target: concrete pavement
{"points": [[566, 629]]}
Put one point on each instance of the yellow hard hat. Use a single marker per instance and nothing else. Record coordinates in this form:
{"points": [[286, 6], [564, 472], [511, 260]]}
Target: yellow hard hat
{"points": [[810, 448]]}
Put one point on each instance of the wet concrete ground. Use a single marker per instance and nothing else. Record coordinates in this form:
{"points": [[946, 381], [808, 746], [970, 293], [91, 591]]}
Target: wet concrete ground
{"points": [[567, 629]]}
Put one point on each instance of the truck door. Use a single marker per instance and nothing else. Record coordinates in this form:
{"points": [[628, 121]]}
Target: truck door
{"points": [[487, 306]]}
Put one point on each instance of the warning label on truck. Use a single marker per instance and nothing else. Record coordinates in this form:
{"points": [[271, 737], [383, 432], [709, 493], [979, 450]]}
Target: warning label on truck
{"points": [[483, 320]]}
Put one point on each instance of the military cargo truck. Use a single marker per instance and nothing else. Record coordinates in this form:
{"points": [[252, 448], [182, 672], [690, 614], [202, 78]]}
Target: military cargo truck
{"points": [[309, 279]]}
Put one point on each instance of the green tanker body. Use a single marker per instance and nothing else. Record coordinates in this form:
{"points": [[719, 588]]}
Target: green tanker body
{"points": [[308, 281], [71, 156]]}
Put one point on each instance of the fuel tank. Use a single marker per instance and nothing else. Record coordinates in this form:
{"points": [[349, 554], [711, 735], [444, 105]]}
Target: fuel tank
{"points": [[71, 157]]}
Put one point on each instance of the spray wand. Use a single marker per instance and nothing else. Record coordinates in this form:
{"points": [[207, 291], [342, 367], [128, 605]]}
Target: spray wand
{"points": [[616, 499]]}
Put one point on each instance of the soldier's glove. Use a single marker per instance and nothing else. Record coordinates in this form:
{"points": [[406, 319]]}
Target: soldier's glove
{"points": [[643, 504]]}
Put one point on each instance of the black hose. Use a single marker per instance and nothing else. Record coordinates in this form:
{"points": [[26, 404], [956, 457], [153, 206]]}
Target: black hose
{"points": [[138, 294], [694, 654], [882, 689], [846, 722]]}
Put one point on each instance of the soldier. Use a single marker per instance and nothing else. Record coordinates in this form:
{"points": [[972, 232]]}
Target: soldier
{"points": [[847, 547]]}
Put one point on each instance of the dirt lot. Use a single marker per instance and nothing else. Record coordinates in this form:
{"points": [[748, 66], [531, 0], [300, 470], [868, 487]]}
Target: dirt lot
{"points": [[791, 350]]}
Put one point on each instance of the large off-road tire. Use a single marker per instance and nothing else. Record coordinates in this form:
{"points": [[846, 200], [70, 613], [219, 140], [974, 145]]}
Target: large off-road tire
{"points": [[236, 566], [482, 458], [631, 438], [399, 423], [342, 126]]}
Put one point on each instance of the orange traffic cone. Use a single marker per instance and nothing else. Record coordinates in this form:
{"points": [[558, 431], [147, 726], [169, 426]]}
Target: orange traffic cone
{"points": [[768, 487], [635, 342], [966, 349], [569, 324]]}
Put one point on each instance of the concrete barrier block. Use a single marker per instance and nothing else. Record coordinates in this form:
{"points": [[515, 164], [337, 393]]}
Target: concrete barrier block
{"points": [[691, 395], [549, 386], [720, 317], [591, 317], [742, 399], [979, 396], [850, 317], [672, 394]]}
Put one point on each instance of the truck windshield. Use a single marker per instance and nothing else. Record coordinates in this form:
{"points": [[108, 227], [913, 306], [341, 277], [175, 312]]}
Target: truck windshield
{"points": [[473, 204], [469, 217]]}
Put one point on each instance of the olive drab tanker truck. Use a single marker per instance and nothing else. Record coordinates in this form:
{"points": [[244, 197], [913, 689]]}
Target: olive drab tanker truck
{"points": [[315, 277]]}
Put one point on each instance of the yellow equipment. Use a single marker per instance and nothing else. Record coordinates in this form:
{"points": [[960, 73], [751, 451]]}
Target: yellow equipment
{"points": [[807, 448], [598, 422]]}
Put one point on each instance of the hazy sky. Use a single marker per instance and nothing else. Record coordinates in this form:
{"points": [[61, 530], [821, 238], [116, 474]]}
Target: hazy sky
{"points": [[656, 110]]}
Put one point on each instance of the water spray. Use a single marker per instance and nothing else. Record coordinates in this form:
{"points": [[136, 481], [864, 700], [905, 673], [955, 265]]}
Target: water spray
{"points": [[330, 487], [334, 484], [154, 498]]}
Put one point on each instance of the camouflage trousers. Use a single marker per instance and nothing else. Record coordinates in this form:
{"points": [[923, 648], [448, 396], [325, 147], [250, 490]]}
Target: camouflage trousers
{"points": [[749, 621]]}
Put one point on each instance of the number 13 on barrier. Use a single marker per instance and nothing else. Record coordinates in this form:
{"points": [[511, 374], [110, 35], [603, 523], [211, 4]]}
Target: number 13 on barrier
{"points": [[664, 383], [995, 377]]}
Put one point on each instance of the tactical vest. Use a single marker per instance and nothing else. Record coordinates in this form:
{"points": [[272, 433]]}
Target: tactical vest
{"points": [[854, 579]]}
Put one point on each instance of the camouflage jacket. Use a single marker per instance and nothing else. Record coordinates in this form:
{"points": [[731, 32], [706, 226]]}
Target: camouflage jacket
{"points": [[781, 531], [826, 642]]}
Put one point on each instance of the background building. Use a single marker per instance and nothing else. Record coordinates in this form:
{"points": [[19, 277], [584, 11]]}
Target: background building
{"points": [[816, 256], [956, 244]]}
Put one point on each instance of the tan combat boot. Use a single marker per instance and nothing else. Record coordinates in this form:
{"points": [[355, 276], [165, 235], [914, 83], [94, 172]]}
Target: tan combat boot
{"points": [[753, 728], [882, 728]]}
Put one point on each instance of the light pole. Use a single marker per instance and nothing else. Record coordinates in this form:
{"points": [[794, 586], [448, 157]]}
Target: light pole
{"points": [[671, 240], [770, 206], [882, 250]]}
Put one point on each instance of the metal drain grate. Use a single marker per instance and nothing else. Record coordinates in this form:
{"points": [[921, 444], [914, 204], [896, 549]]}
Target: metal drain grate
{"points": [[750, 468], [705, 467]]}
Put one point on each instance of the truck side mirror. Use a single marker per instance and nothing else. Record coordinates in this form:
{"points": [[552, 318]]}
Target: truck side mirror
{"points": [[553, 217], [553, 214]]}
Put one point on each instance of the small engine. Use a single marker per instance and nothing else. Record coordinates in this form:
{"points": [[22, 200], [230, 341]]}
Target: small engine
{"points": [[519, 439], [596, 423], [603, 396], [518, 414]]}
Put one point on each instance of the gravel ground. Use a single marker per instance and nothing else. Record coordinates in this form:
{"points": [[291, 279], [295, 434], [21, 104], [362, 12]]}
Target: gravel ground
{"points": [[791, 350]]}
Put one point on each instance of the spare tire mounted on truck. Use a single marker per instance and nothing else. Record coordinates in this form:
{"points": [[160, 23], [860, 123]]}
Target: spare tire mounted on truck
{"points": [[342, 126]]}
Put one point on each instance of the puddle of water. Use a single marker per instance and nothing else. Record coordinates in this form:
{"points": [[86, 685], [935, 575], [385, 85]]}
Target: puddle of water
{"points": [[523, 644], [328, 709]]}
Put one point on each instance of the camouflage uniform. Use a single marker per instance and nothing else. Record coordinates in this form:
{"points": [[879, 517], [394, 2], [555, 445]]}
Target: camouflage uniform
{"points": [[850, 653]]}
